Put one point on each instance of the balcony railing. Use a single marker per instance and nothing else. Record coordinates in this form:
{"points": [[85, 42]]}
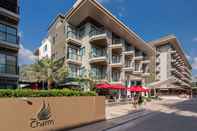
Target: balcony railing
{"points": [[95, 55], [72, 34], [74, 57], [10, 5], [129, 64], [117, 41], [102, 75], [96, 32]]}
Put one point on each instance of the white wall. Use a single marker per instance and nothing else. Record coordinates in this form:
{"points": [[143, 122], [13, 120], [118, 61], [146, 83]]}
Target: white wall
{"points": [[42, 52]]}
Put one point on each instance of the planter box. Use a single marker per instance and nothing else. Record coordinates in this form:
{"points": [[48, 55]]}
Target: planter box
{"points": [[49, 113]]}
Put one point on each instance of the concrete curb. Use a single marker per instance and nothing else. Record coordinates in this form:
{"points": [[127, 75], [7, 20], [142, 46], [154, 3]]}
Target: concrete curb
{"points": [[133, 118]]}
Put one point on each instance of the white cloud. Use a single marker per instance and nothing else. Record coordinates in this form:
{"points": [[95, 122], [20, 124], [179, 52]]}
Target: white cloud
{"points": [[26, 56], [194, 63], [194, 39]]}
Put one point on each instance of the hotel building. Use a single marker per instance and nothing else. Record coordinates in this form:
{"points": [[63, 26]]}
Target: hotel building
{"points": [[94, 43], [9, 43], [171, 62]]}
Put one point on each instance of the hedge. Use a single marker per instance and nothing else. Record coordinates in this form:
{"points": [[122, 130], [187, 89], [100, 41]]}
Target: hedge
{"points": [[43, 93]]}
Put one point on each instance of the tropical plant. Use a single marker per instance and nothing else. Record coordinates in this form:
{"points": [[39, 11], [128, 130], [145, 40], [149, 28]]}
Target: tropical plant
{"points": [[46, 70]]}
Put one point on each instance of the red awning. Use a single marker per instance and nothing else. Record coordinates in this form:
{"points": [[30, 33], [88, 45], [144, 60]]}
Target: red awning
{"points": [[137, 89], [111, 86]]}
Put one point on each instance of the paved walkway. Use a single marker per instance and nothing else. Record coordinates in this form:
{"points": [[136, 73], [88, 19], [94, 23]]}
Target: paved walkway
{"points": [[174, 116], [120, 114]]}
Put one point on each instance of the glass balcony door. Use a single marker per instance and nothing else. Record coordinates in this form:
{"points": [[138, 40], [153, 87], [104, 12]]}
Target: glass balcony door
{"points": [[98, 52], [116, 59], [128, 63], [115, 76], [73, 53], [74, 70], [98, 72]]}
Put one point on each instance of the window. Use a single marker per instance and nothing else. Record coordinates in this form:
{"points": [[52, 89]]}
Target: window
{"points": [[115, 75], [8, 33], [73, 70], [2, 63], [45, 48], [53, 41], [8, 64], [82, 51], [82, 32], [11, 64], [98, 72]]}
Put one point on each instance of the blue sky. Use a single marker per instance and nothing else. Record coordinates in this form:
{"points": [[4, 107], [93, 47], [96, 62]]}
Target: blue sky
{"points": [[150, 19]]}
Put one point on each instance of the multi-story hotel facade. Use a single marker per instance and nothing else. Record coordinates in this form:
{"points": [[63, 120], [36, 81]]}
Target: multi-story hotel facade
{"points": [[9, 43], [94, 43], [171, 63]]}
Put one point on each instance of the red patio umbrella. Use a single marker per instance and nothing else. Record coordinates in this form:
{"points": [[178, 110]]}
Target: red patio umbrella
{"points": [[147, 89], [118, 87], [137, 89], [103, 86]]}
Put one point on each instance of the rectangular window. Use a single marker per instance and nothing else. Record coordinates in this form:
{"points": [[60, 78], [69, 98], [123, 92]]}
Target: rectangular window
{"points": [[8, 64], [2, 63], [53, 41], [82, 51], [11, 64], [8, 33], [45, 48], [73, 70]]}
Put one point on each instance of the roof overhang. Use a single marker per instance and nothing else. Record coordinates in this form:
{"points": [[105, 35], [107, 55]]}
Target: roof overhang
{"points": [[94, 10], [171, 39]]}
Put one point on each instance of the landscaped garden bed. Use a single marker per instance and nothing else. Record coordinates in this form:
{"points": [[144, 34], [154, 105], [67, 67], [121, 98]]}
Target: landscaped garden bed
{"points": [[43, 93]]}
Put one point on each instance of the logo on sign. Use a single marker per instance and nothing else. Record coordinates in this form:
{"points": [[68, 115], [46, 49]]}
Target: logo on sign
{"points": [[43, 117]]}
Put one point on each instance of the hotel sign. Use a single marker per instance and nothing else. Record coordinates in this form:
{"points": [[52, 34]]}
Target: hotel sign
{"points": [[43, 117]]}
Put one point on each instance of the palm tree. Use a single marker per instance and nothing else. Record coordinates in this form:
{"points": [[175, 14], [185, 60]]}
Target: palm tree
{"points": [[47, 70]]}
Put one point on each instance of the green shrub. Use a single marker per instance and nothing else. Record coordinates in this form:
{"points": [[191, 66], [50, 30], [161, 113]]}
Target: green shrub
{"points": [[43, 93]]}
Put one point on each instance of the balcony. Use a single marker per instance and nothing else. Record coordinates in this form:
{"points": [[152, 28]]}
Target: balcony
{"points": [[137, 72], [116, 76], [74, 59], [139, 56], [116, 61], [129, 66], [129, 50], [117, 44], [146, 60], [99, 36], [72, 37], [158, 69], [145, 74], [172, 51], [97, 58], [98, 74], [138, 69], [158, 61]]}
